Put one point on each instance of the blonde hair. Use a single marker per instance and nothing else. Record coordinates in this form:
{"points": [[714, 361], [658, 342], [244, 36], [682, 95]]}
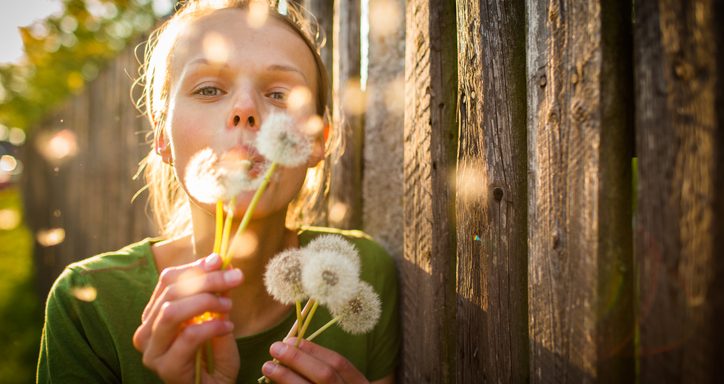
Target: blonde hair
{"points": [[167, 199]]}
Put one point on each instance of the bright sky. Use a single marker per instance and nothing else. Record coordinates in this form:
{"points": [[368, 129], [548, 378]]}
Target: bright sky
{"points": [[20, 13]]}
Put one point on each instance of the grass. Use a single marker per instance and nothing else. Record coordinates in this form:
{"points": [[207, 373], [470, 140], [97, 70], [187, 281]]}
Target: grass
{"points": [[20, 309]]}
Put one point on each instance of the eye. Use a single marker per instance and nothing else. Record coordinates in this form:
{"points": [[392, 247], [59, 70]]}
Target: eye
{"points": [[209, 91], [276, 95]]}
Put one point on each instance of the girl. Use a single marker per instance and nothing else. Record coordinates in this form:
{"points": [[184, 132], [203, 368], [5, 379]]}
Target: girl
{"points": [[212, 76]]}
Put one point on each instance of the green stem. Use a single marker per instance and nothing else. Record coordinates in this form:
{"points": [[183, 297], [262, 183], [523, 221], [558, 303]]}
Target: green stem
{"points": [[219, 226], [197, 370], [227, 227], [249, 211], [307, 321], [299, 311], [322, 329]]}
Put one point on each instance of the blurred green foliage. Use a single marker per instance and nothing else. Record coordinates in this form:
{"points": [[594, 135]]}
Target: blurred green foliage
{"points": [[62, 53], [66, 50], [21, 319]]}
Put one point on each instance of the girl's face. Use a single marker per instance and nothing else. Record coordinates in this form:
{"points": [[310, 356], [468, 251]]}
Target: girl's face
{"points": [[225, 79]]}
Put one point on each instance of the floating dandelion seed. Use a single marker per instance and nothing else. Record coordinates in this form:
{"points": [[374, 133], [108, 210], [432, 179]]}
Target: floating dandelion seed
{"points": [[216, 47], [9, 219], [386, 15], [360, 313], [299, 100], [258, 13], [283, 277], [50, 237], [329, 278], [353, 98], [313, 126], [57, 147], [281, 143], [337, 212], [87, 294], [336, 244]]}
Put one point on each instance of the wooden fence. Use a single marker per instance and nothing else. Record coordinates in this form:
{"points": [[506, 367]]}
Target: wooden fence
{"points": [[495, 161]]}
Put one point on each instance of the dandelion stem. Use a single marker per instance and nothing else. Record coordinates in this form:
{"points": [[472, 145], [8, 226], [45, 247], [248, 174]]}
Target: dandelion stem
{"points": [[322, 329], [197, 370], [298, 304], [292, 332], [219, 226], [227, 228], [249, 211], [307, 321]]}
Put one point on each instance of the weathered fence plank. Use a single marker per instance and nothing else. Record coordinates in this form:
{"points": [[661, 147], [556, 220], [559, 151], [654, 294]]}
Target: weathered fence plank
{"points": [[680, 145], [89, 195], [579, 221], [491, 194], [384, 124], [345, 193], [428, 266]]}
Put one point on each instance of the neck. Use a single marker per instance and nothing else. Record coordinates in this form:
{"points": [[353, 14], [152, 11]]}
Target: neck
{"points": [[262, 239]]}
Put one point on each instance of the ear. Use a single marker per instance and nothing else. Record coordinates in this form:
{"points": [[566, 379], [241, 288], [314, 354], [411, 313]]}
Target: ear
{"points": [[162, 148]]}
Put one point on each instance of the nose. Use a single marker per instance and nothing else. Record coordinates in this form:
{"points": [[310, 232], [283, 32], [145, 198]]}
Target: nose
{"points": [[244, 113]]}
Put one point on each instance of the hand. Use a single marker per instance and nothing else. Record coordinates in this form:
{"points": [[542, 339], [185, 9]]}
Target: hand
{"points": [[309, 363], [169, 340]]}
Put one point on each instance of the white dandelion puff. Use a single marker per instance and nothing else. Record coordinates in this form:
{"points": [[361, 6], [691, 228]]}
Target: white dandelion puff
{"points": [[329, 278], [210, 179], [234, 171], [280, 142], [360, 313], [202, 180], [283, 277], [337, 244]]}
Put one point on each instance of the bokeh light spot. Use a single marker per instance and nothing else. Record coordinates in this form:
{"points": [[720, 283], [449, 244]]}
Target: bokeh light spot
{"points": [[216, 48], [9, 219], [385, 17], [258, 13], [87, 294], [353, 98], [338, 212], [50, 237]]}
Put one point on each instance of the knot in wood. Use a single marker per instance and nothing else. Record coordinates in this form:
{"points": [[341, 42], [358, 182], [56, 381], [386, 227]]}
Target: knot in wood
{"points": [[542, 81], [498, 194]]}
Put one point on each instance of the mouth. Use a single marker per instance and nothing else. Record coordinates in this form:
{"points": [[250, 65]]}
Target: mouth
{"points": [[248, 153]]}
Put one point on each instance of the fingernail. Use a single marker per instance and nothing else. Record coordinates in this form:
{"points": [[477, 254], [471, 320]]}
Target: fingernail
{"points": [[232, 276], [211, 260], [225, 302], [268, 368], [277, 349]]}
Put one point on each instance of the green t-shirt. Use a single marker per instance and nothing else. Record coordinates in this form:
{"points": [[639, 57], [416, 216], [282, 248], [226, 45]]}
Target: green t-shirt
{"points": [[95, 307]]}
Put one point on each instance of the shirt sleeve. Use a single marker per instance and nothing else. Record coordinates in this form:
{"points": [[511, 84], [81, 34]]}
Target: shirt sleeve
{"points": [[385, 337], [75, 345]]}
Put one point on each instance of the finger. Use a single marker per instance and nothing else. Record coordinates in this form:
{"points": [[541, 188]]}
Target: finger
{"points": [[343, 367], [310, 366], [171, 274], [281, 374], [175, 314], [189, 285], [183, 351]]}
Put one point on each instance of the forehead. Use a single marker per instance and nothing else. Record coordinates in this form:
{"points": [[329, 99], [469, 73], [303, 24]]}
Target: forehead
{"points": [[225, 36]]}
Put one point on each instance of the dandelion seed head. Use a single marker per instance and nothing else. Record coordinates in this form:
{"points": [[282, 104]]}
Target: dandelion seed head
{"points": [[210, 178], [336, 244], [329, 277], [283, 277], [280, 142], [359, 314]]}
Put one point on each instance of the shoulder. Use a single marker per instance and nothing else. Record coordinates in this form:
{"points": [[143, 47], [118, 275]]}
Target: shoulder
{"points": [[125, 268]]}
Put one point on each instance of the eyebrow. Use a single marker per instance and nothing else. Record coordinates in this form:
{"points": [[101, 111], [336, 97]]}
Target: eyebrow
{"points": [[271, 68]]}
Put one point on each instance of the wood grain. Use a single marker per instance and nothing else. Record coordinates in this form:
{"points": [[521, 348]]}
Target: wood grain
{"points": [[579, 221], [491, 197], [678, 233], [428, 267]]}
